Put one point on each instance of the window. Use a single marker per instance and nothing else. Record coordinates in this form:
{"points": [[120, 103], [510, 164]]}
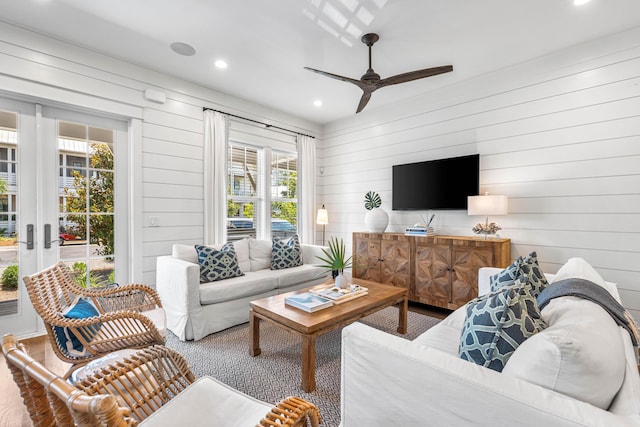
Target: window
{"points": [[262, 181], [242, 190], [284, 203]]}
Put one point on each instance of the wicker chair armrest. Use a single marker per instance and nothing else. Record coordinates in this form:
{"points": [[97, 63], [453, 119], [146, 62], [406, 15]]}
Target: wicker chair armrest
{"points": [[112, 316], [143, 381], [292, 411], [112, 331], [133, 296]]}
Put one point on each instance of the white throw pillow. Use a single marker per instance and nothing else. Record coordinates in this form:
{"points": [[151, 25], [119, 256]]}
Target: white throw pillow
{"points": [[259, 254], [185, 252], [581, 269], [242, 252], [579, 354]]}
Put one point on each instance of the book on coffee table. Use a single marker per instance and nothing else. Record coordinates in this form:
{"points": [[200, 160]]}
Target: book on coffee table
{"points": [[308, 302], [340, 295]]}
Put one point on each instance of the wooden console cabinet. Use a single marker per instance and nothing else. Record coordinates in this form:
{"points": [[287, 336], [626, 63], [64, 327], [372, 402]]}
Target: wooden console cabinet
{"points": [[437, 270]]}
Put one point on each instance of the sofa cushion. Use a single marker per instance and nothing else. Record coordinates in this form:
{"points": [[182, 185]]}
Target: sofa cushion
{"points": [[259, 254], [79, 309], [218, 264], [286, 253], [579, 354], [581, 269], [296, 275], [445, 336], [252, 283], [185, 252], [242, 252], [497, 323]]}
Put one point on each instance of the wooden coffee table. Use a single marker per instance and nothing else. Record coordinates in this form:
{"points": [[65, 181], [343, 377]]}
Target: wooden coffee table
{"points": [[311, 325]]}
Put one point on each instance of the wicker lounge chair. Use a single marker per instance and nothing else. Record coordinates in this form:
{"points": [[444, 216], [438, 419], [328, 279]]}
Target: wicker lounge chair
{"points": [[133, 389], [128, 316]]}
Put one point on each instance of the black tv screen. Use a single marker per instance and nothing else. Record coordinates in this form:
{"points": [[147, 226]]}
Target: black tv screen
{"points": [[436, 184]]}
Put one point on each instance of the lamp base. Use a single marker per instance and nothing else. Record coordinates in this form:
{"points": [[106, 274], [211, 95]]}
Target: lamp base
{"points": [[486, 229]]}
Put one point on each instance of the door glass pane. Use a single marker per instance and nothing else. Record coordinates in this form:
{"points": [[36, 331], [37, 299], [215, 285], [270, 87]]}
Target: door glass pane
{"points": [[9, 274], [86, 213], [284, 184]]}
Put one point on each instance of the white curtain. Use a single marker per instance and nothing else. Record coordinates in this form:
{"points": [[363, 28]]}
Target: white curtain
{"points": [[306, 189], [216, 135]]}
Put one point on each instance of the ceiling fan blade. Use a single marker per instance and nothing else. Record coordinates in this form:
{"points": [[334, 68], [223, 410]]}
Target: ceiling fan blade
{"points": [[337, 77], [366, 96], [414, 75]]}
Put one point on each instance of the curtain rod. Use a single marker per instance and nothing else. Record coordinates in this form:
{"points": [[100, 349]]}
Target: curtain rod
{"points": [[256, 121]]}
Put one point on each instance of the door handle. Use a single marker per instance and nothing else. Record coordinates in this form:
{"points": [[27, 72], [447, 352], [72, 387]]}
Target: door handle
{"points": [[47, 237], [29, 241]]}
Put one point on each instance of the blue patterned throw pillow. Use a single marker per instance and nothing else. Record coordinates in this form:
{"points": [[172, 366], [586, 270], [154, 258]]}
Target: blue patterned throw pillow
{"points": [[218, 264], [533, 273], [67, 340], [528, 267], [286, 253], [497, 323], [506, 277]]}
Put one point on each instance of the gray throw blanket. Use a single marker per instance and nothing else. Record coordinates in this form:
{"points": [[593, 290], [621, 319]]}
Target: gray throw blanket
{"points": [[595, 293]]}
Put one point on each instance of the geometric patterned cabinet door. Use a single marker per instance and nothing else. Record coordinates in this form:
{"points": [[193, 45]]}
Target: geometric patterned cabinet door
{"points": [[366, 256], [432, 278], [382, 258], [438, 270], [396, 260], [464, 280], [446, 267]]}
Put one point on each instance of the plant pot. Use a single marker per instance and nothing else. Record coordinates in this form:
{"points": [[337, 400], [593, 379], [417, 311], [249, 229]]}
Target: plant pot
{"points": [[376, 220]]}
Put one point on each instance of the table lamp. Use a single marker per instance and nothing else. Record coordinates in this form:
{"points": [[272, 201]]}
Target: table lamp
{"points": [[323, 219], [487, 205]]}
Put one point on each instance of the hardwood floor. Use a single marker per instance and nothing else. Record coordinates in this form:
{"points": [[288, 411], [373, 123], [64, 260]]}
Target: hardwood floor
{"points": [[12, 410]]}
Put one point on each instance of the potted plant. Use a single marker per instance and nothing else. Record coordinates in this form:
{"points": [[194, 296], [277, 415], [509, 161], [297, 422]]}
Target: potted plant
{"points": [[376, 218], [335, 258]]}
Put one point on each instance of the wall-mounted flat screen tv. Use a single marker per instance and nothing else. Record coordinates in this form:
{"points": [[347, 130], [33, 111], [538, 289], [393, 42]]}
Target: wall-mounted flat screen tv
{"points": [[436, 184]]}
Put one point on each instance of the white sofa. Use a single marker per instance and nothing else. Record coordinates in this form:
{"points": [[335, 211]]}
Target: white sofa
{"points": [[195, 310], [388, 380]]}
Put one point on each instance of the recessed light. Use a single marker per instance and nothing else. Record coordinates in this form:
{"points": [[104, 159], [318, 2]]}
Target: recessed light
{"points": [[317, 103], [183, 49], [220, 64], [580, 2]]}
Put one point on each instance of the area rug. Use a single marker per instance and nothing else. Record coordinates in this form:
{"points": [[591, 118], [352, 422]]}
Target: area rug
{"points": [[276, 373]]}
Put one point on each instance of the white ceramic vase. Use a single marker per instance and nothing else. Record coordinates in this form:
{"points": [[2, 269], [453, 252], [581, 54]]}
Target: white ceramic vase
{"points": [[376, 220], [341, 281]]}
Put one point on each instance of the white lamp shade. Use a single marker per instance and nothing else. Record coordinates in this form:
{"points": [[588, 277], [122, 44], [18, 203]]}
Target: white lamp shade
{"points": [[323, 216], [487, 205]]}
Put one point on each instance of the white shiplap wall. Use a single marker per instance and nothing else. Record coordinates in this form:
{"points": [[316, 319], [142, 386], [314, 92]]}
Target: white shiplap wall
{"points": [[167, 173], [559, 135]]}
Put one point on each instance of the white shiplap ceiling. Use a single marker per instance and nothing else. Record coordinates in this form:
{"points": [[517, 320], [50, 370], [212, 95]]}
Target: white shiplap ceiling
{"points": [[267, 43]]}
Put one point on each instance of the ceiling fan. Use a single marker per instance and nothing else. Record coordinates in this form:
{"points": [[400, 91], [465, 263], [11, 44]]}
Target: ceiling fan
{"points": [[371, 81]]}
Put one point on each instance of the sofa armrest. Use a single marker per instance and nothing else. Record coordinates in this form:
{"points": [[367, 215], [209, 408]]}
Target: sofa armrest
{"points": [[388, 380], [178, 284]]}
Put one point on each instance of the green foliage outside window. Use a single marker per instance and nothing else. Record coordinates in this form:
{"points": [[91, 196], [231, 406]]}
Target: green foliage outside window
{"points": [[101, 199], [10, 277]]}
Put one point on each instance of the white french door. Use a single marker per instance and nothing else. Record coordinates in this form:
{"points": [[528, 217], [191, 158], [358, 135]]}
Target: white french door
{"points": [[58, 202]]}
